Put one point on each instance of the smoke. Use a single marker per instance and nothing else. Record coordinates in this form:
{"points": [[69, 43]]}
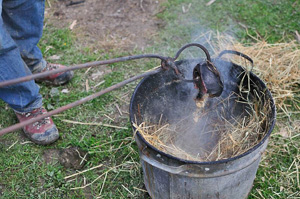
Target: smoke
{"points": [[169, 101], [200, 130], [163, 99], [195, 130]]}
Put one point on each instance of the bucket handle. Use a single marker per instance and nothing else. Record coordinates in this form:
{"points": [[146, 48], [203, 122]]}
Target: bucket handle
{"points": [[236, 53]]}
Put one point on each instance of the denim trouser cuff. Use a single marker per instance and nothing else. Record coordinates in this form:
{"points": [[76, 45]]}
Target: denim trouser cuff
{"points": [[37, 68], [34, 105]]}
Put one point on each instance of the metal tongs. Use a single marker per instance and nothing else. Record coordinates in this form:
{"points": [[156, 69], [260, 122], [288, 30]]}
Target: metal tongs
{"points": [[206, 78]]}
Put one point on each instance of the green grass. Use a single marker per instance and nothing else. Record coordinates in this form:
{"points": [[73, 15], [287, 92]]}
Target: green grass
{"points": [[270, 20], [24, 173]]}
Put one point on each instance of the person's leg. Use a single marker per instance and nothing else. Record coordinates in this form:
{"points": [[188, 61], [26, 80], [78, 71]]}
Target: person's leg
{"points": [[23, 19], [24, 97]]}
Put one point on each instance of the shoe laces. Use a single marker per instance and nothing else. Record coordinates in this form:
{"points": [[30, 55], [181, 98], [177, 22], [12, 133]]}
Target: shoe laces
{"points": [[41, 122], [51, 67]]}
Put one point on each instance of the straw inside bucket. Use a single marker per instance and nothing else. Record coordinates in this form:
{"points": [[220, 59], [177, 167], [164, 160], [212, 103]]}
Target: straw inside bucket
{"points": [[230, 136]]}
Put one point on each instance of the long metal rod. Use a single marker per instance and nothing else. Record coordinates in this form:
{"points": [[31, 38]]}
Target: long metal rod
{"points": [[79, 102], [79, 66], [166, 63]]}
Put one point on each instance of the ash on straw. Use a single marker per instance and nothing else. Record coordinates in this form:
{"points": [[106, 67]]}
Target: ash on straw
{"points": [[210, 133]]}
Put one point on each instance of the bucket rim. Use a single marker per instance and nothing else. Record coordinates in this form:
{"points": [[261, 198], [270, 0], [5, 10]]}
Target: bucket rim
{"points": [[267, 135]]}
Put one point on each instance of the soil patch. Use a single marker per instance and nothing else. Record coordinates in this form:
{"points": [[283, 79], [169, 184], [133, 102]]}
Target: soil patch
{"points": [[51, 156], [108, 24], [72, 157]]}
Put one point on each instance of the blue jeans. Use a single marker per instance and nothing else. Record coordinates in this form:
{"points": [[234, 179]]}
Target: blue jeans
{"points": [[21, 27]]}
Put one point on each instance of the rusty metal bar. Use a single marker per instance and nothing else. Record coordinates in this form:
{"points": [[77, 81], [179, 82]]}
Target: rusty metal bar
{"points": [[76, 103], [79, 66], [166, 63]]}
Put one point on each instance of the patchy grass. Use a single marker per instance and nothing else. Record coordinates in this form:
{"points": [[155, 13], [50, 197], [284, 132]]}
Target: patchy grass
{"points": [[112, 147], [24, 172], [269, 20]]}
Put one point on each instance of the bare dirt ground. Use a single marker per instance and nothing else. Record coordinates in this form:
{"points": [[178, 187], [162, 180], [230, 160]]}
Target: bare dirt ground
{"points": [[107, 24]]}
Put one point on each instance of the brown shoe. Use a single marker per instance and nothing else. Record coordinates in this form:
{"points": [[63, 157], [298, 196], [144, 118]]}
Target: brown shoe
{"points": [[42, 132], [58, 78]]}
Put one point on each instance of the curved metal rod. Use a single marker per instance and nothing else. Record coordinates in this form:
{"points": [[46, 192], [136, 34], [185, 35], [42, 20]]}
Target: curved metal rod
{"points": [[76, 103], [166, 62], [79, 66], [196, 45], [236, 53]]}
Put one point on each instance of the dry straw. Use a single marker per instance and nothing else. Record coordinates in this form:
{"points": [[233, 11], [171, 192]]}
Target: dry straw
{"points": [[277, 64]]}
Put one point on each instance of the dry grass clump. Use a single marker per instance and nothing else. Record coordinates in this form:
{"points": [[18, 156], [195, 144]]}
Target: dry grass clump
{"points": [[277, 64], [234, 139], [239, 137], [162, 137]]}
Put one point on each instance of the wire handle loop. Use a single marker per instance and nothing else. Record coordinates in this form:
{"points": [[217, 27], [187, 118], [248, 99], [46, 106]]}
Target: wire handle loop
{"points": [[196, 45], [236, 53]]}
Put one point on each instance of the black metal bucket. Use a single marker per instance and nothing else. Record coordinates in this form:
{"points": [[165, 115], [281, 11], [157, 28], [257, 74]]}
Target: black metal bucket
{"points": [[169, 177]]}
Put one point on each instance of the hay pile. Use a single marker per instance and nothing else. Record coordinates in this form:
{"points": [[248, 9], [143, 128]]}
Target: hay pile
{"points": [[278, 65]]}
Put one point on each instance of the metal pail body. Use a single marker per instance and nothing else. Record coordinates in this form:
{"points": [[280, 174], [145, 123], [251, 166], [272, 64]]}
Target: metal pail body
{"points": [[169, 177]]}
